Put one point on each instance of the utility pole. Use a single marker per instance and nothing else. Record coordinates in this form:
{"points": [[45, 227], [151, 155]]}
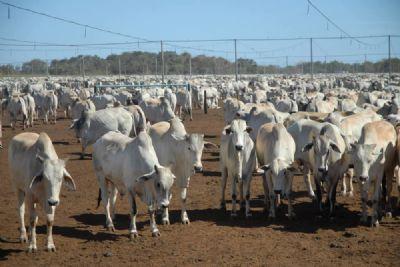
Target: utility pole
{"points": [[119, 67], [106, 69], [287, 62], [83, 67], [47, 68], [326, 67], [190, 66], [162, 62], [156, 68], [365, 63], [311, 57], [236, 63], [389, 57]]}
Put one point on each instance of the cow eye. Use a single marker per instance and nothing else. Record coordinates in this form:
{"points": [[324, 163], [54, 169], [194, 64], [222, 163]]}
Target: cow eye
{"points": [[158, 185], [189, 148]]}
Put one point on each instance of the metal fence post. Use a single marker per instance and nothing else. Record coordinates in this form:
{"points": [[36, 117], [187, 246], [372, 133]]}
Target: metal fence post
{"points": [[311, 57], [236, 63], [205, 102], [389, 58], [162, 62]]}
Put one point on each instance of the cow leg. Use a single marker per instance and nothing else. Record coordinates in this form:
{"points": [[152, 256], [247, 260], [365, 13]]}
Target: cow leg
{"points": [[242, 204], [165, 216], [272, 198], [247, 196], [332, 197], [319, 194], [364, 199], [266, 192], [350, 172], [153, 225], [113, 198], [288, 193], [106, 202], [83, 153], [224, 176], [132, 229], [344, 186], [184, 216], [234, 196], [389, 186], [307, 181], [32, 227], [50, 222], [55, 116], [375, 203], [21, 210], [46, 117]]}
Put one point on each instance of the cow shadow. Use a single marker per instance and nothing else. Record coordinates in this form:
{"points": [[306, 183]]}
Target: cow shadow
{"points": [[4, 253], [211, 173], [64, 143], [307, 219], [121, 222], [79, 232], [88, 156], [211, 159]]}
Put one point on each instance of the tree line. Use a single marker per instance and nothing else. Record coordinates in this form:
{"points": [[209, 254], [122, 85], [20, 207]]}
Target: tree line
{"points": [[146, 63]]}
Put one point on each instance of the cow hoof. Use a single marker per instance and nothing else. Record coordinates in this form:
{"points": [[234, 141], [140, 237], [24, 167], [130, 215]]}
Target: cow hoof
{"points": [[186, 221], [32, 249], [375, 224], [271, 217], [351, 194], [388, 214], [51, 248], [233, 214], [165, 222], [344, 193], [23, 239], [249, 215], [111, 228], [155, 234], [133, 235]]}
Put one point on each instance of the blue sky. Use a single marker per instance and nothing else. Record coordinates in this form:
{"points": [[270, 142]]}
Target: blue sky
{"points": [[205, 19]]}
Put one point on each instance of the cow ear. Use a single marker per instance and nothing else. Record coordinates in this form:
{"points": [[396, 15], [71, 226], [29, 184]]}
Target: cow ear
{"points": [[156, 169], [266, 167], [39, 158], [146, 177], [307, 147], [378, 153], [68, 181], [36, 179], [249, 129], [335, 148], [72, 126], [228, 130], [210, 145]]}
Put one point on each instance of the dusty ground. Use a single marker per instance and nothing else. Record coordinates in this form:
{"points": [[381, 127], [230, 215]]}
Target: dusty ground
{"points": [[212, 238]]}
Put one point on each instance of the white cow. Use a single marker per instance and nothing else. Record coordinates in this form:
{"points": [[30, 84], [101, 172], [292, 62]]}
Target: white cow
{"points": [[50, 106], [238, 159], [92, 125], [331, 161], [374, 163], [184, 104], [171, 97], [275, 153], [30, 108], [231, 107], [157, 110], [37, 175], [130, 165], [16, 107], [182, 152]]}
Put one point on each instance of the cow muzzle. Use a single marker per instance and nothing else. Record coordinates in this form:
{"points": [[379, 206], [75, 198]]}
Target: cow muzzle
{"points": [[52, 202], [239, 147], [363, 178], [198, 169]]}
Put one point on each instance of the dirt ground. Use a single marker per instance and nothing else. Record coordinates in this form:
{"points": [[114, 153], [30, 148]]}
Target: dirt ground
{"points": [[212, 238]]}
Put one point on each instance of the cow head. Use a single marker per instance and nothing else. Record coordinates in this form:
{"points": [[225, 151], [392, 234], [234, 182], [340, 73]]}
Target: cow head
{"points": [[159, 182], [364, 156], [281, 172], [166, 110], [237, 130], [51, 176], [79, 125]]}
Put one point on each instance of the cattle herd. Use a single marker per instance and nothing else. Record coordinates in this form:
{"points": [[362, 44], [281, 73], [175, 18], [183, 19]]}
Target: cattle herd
{"points": [[339, 129]]}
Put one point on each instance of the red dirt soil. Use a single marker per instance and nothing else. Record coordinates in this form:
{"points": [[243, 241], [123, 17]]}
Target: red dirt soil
{"points": [[212, 238]]}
